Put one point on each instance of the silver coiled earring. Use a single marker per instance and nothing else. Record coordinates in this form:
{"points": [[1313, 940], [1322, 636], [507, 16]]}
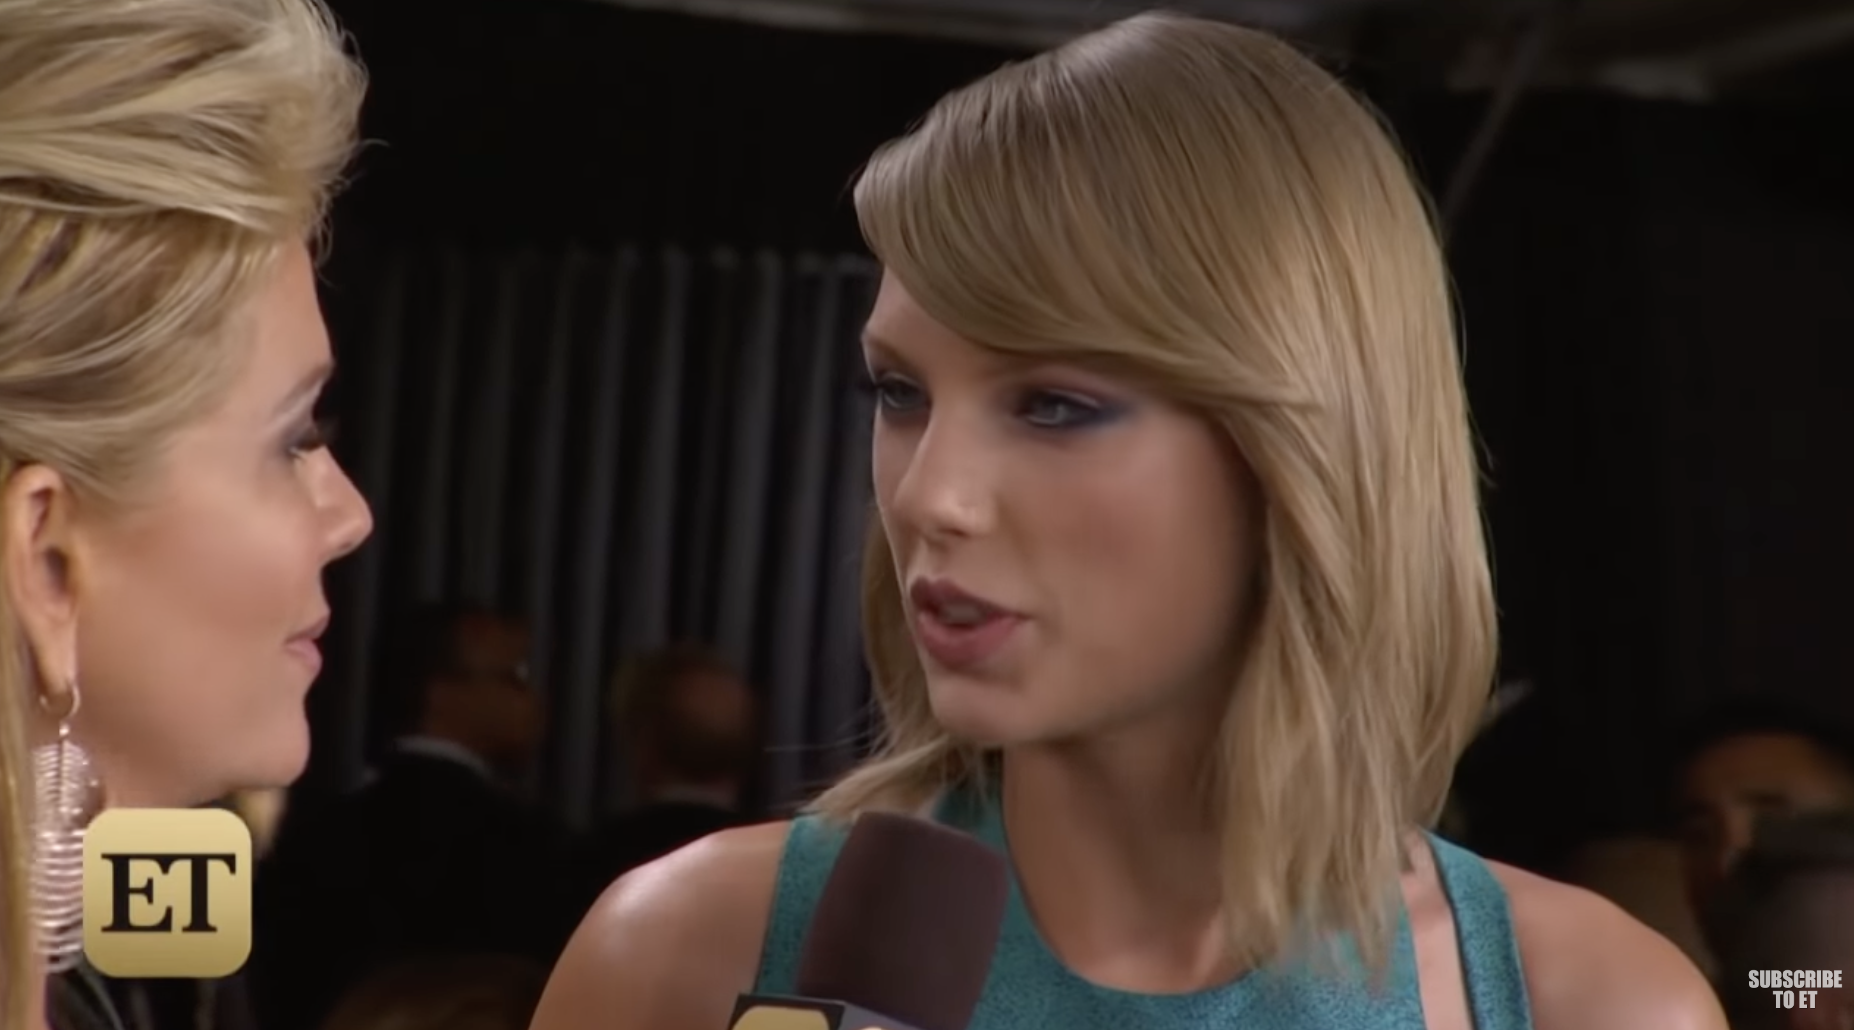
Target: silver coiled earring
{"points": [[67, 796]]}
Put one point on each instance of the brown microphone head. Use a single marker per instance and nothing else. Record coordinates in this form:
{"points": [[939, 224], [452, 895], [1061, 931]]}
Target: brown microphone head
{"points": [[907, 923]]}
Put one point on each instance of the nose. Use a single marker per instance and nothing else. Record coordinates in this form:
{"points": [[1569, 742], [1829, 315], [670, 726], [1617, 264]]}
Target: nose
{"points": [[947, 486], [347, 516]]}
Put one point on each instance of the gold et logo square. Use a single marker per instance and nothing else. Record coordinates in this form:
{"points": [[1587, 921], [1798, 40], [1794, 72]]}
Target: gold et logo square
{"points": [[167, 892]]}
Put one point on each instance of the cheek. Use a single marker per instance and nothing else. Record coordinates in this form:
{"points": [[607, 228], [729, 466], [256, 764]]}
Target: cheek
{"points": [[1159, 545], [182, 641], [890, 452]]}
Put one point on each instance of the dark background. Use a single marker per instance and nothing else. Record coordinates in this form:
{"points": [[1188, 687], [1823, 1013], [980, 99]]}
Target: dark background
{"points": [[1656, 313]]}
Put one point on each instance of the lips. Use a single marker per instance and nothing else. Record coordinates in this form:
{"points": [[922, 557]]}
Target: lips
{"points": [[307, 652], [958, 630], [304, 646], [314, 632]]}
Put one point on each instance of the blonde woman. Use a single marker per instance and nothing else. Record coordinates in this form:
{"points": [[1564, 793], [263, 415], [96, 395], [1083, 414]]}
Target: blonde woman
{"points": [[1178, 591], [167, 504]]}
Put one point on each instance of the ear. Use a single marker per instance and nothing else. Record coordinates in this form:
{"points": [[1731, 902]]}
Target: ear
{"points": [[37, 510]]}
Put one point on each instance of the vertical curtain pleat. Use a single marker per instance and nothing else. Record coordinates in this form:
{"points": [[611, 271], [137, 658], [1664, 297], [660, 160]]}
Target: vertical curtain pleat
{"points": [[546, 475], [645, 580], [750, 469], [706, 419], [642, 580], [801, 501], [841, 714], [435, 503], [576, 702], [484, 465]]}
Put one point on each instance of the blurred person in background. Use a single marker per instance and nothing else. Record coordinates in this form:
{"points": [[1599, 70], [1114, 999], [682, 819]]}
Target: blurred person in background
{"points": [[1644, 875], [452, 993], [456, 694], [690, 731], [1747, 761], [1177, 594], [1788, 904], [167, 500], [436, 853]]}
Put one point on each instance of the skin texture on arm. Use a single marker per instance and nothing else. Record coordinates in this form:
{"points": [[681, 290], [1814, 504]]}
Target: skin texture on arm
{"points": [[1590, 966], [671, 945]]}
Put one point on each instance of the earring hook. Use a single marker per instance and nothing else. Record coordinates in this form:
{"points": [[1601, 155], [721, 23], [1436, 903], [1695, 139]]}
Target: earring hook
{"points": [[73, 699]]}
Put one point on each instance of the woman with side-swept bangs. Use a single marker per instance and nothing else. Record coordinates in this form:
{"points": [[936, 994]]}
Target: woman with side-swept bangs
{"points": [[1178, 593]]}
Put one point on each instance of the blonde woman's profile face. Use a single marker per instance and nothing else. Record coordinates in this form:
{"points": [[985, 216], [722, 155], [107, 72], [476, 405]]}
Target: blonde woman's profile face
{"points": [[196, 609], [1070, 548]]}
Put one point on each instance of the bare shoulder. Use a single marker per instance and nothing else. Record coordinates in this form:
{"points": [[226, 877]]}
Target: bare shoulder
{"points": [[668, 946], [1591, 966]]}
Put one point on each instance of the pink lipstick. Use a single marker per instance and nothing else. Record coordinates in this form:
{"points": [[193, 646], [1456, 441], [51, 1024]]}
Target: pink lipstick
{"points": [[958, 630]]}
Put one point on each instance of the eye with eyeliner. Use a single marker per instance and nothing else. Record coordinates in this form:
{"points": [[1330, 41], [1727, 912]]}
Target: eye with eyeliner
{"points": [[314, 435], [1040, 408], [894, 394], [1063, 409]]}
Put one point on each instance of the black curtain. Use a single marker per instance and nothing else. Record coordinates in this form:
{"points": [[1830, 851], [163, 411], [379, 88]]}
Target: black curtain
{"points": [[1657, 334], [630, 447]]}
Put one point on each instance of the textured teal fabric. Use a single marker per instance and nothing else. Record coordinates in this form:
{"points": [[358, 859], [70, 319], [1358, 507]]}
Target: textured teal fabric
{"points": [[1029, 989]]}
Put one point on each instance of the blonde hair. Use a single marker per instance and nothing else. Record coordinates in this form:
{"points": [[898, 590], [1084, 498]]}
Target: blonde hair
{"points": [[156, 159], [1205, 211]]}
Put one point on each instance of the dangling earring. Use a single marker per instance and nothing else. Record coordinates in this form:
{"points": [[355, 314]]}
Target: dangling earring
{"points": [[66, 797]]}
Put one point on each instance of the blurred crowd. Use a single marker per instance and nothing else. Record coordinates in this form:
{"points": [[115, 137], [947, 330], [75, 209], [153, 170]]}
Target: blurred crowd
{"points": [[1756, 871]]}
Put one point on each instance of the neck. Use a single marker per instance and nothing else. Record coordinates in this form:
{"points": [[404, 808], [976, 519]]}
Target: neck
{"points": [[1125, 823]]}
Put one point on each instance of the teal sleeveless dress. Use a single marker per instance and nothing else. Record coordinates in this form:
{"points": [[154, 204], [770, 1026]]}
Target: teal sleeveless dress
{"points": [[1030, 989]]}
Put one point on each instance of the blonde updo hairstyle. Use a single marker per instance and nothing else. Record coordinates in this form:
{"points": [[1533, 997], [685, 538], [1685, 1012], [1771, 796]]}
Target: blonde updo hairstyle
{"points": [[1204, 210], [157, 157]]}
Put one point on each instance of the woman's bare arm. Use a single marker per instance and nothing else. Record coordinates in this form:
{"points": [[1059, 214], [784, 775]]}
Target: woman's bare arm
{"points": [[1590, 966]]}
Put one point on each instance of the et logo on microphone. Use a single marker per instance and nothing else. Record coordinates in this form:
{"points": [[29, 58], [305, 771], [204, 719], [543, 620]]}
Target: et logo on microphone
{"points": [[167, 892]]}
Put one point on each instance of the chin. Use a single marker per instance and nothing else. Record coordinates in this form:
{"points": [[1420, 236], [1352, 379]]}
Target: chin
{"points": [[280, 762], [984, 723]]}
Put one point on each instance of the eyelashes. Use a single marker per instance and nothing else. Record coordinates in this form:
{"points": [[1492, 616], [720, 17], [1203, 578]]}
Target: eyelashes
{"points": [[1055, 409], [892, 394], [318, 435]]}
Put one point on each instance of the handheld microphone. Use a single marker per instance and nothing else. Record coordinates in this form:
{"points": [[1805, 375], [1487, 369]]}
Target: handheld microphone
{"points": [[903, 935]]}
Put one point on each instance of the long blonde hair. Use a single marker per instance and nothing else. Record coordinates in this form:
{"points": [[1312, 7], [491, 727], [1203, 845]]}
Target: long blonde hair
{"points": [[1204, 209], [156, 157]]}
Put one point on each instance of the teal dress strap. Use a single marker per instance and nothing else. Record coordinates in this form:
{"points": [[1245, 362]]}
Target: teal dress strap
{"points": [[810, 853], [1490, 963]]}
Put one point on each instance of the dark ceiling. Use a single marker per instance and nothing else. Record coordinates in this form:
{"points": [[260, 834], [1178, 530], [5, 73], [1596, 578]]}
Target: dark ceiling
{"points": [[1678, 49], [1691, 49]]}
